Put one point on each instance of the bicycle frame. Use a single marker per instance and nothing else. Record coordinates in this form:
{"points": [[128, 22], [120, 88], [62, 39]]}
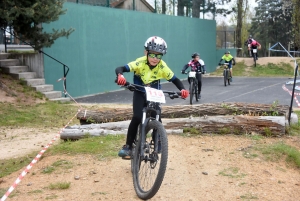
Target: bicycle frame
{"points": [[226, 73], [150, 107], [193, 85]]}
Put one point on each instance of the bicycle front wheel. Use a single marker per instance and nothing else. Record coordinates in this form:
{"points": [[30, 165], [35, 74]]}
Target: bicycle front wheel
{"points": [[149, 170], [225, 77], [254, 58], [134, 146], [196, 90], [192, 88]]}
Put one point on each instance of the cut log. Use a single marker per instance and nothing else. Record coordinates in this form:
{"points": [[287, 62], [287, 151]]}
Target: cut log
{"points": [[181, 111], [240, 124]]}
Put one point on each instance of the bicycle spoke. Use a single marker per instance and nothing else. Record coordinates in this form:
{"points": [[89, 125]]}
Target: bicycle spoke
{"points": [[149, 170]]}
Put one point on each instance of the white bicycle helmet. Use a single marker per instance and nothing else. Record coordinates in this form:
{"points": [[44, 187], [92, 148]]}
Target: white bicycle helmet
{"points": [[156, 44]]}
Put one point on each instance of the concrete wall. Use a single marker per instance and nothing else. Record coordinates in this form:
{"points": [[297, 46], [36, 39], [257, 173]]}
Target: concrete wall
{"points": [[106, 38]]}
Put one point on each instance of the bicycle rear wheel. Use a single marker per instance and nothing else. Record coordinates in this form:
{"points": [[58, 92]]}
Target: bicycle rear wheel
{"points": [[149, 171], [191, 91], [196, 91]]}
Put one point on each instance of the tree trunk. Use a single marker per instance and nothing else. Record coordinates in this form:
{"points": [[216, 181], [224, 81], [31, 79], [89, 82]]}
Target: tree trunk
{"points": [[239, 25], [180, 8], [179, 111], [264, 125], [196, 8], [164, 7]]}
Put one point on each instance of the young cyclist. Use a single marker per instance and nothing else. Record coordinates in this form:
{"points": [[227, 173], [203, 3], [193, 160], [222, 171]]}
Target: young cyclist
{"points": [[229, 59], [247, 42], [254, 45], [197, 65], [148, 70]]}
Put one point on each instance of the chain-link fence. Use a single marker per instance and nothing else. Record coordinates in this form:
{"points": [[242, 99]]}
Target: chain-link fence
{"points": [[225, 39]]}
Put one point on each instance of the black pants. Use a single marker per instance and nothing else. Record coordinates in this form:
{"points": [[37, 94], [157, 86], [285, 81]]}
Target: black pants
{"points": [[199, 78], [139, 102]]}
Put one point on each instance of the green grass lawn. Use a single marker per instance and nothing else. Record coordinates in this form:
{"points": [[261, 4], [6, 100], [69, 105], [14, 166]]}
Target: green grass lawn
{"points": [[269, 70]]}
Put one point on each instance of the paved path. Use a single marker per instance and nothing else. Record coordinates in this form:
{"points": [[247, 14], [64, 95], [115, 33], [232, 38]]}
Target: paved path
{"points": [[242, 89]]}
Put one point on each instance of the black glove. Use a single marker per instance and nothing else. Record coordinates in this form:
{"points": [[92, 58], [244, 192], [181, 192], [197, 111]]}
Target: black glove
{"points": [[183, 71], [203, 72], [220, 64], [233, 63]]}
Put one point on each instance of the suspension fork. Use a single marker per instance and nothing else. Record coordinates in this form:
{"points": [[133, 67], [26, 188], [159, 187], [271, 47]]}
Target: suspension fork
{"points": [[145, 121]]}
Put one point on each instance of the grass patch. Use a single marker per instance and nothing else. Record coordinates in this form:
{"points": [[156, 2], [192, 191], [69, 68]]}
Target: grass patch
{"points": [[13, 194], [99, 193], [58, 164], [232, 172], [193, 131], [294, 129], [269, 70], [276, 151], [249, 196], [35, 192], [102, 147], [59, 185], [50, 197], [49, 114], [9, 166]]}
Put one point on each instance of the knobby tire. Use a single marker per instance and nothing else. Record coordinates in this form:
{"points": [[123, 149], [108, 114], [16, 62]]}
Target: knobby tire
{"points": [[138, 134], [145, 186], [196, 91], [191, 91], [254, 58], [225, 77]]}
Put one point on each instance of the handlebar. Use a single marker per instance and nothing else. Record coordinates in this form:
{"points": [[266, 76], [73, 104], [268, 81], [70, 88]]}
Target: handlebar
{"points": [[134, 87]]}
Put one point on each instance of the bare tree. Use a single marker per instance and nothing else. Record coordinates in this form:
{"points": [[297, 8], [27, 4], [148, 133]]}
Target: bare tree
{"points": [[239, 25], [180, 8], [196, 8], [164, 7]]}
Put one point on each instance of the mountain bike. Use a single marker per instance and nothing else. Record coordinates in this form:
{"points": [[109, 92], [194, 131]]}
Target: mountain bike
{"points": [[150, 148], [226, 74], [193, 86], [254, 55]]}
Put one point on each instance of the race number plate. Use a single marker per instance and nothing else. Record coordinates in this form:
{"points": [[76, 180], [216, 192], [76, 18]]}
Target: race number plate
{"points": [[155, 95], [254, 50], [192, 74]]}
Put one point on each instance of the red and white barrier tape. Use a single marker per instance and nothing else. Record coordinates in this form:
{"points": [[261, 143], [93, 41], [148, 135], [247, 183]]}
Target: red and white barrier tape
{"points": [[35, 160], [290, 92]]}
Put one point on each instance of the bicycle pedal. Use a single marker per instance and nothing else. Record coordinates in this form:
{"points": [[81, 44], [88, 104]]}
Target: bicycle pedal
{"points": [[126, 157]]}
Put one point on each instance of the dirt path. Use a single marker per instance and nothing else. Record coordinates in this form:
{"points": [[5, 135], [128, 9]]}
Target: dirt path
{"points": [[199, 168]]}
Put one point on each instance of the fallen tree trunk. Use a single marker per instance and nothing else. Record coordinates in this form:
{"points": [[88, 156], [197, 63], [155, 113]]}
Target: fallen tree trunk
{"points": [[182, 111], [241, 124]]}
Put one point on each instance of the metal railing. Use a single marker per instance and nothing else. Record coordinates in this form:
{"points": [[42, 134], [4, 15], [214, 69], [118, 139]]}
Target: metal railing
{"points": [[65, 67]]}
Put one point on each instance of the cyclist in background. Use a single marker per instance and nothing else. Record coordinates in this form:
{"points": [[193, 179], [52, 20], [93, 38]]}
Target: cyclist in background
{"points": [[247, 42], [254, 45], [228, 58], [197, 65], [148, 70]]}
